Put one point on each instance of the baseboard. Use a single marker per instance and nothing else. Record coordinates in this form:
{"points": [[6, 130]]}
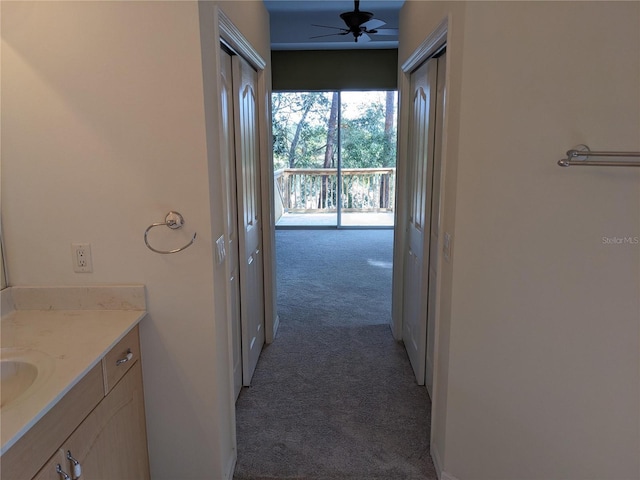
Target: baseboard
{"points": [[276, 324], [442, 475], [446, 476], [231, 465], [436, 461]]}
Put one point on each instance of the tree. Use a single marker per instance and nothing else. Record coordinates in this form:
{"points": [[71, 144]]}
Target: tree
{"points": [[389, 151], [307, 103], [299, 121], [332, 141], [363, 138]]}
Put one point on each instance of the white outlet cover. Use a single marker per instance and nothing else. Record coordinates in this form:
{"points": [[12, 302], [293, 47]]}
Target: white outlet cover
{"points": [[81, 257]]}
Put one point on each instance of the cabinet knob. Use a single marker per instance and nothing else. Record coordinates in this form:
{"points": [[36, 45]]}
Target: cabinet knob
{"points": [[62, 473]]}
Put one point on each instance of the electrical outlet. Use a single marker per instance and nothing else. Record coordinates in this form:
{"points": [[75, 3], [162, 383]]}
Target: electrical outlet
{"points": [[81, 257]]}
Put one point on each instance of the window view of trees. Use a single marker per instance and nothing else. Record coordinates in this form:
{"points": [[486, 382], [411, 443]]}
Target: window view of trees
{"points": [[305, 133], [314, 133]]}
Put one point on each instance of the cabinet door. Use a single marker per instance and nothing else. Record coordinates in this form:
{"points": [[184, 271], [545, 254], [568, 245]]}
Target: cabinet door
{"points": [[49, 472], [112, 442]]}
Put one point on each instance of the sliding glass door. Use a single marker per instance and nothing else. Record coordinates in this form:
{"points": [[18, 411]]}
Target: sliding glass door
{"points": [[334, 158], [367, 158], [305, 158]]}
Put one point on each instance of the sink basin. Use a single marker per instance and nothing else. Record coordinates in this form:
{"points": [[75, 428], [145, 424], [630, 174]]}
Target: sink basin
{"points": [[16, 377], [21, 371]]}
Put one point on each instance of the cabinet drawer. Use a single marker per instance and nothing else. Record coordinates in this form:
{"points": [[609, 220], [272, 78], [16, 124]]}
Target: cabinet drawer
{"points": [[120, 359]]}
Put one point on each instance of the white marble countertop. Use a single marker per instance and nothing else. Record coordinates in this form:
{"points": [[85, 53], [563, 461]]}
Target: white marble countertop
{"points": [[66, 344]]}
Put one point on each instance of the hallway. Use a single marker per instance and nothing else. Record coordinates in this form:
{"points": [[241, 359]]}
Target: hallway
{"points": [[334, 397]]}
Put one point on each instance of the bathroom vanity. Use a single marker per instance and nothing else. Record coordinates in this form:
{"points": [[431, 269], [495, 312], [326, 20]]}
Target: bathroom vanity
{"points": [[73, 406]]}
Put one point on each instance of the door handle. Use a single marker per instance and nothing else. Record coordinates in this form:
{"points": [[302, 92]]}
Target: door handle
{"points": [[62, 473]]}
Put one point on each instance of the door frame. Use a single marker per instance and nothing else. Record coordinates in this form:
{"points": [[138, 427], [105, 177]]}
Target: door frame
{"points": [[430, 46], [221, 31], [229, 34]]}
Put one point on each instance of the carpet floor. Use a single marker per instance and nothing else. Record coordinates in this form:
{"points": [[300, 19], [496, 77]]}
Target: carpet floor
{"points": [[334, 397]]}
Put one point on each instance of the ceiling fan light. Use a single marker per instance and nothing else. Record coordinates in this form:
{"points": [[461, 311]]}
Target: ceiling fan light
{"points": [[355, 19]]}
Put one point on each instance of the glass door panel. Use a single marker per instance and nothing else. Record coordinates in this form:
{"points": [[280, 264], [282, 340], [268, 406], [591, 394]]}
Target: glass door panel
{"points": [[305, 157], [334, 157], [368, 158]]}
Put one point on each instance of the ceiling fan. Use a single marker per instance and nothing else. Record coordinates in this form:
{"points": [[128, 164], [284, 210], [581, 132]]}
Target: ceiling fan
{"points": [[359, 24]]}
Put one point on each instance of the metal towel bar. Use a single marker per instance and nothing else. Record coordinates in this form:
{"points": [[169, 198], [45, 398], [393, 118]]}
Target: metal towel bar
{"points": [[577, 156]]}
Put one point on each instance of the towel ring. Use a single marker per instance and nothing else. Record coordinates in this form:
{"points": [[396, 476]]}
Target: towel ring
{"points": [[173, 220]]}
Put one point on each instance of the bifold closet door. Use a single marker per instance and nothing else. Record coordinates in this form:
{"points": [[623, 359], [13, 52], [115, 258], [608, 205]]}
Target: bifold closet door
{"points": [[229, 169], [245, 103], [420, 166], [434, 242]]}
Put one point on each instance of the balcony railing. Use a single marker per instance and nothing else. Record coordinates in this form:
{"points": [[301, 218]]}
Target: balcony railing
{"points": [[315, 190]]}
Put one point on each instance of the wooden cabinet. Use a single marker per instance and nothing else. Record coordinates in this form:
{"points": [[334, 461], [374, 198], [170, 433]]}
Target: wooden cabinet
{"points": [[101, 422], [111, 443]]}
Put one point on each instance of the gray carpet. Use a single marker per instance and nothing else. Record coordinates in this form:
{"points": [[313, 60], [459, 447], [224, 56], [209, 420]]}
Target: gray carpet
{"points": [[334, 396]]}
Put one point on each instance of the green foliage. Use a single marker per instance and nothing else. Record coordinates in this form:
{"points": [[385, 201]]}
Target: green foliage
{"points": [[304, 113], [363, 139], [300, 120]]}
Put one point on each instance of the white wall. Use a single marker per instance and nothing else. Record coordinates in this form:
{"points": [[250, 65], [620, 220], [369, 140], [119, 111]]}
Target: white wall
{"points": [[543, 366], [103, 132]]}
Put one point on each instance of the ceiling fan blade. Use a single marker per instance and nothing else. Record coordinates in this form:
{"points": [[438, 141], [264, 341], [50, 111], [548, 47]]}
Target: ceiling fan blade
{"points": [[327, 26], [364, 38], [385, 31], [331, 35], [373, 24]]}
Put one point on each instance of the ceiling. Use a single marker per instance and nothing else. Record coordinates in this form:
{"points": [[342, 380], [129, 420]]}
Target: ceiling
{"points": [[292, 24]]}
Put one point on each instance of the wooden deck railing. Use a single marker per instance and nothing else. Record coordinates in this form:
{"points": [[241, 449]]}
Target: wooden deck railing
{"points": [[311, 190]]}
